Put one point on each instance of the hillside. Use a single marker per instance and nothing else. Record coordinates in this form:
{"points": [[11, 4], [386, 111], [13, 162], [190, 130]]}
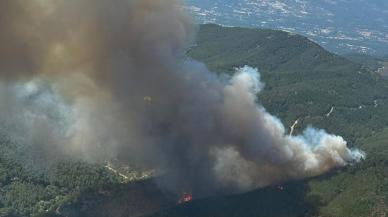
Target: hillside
{"points": [[357, 26], [372, 62], [304, 81]]}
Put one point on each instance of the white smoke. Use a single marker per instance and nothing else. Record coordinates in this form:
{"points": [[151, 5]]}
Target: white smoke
{"points": [[312, 153], [46, 121], [97, 79]]}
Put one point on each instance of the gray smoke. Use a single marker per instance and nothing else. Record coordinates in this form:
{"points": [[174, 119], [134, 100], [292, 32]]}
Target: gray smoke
{"points": [[96, 79]]}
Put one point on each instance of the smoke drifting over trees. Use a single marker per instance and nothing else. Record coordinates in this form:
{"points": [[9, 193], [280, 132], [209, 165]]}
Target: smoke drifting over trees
{"points": [[96, 79]]}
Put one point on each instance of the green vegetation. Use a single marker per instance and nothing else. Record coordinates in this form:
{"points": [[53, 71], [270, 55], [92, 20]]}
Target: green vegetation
{"points": [[25, 193], [374, 63], [360, 190], [82, 176], [304, 81]]}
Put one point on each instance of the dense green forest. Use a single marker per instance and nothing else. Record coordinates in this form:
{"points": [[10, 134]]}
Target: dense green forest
{"points": [[303, 81], [26, 193], [374, 63]]}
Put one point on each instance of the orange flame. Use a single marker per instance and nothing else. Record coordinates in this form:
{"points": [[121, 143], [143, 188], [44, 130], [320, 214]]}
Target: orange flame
{"points": [[186, 197]]}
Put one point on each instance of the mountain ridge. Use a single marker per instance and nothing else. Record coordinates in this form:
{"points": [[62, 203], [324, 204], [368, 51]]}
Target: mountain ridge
{"points": [[357, 190], [340, 26]]}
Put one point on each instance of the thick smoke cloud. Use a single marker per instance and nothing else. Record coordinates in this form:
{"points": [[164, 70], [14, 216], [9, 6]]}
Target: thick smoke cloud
{"points": [[96, 79]]}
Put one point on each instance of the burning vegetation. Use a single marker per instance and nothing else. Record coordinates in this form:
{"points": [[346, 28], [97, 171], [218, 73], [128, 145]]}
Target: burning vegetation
{"points": [[186, 197]]}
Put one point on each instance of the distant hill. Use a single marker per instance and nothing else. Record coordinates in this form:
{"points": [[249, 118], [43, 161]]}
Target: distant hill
{"points": [[345, 26], [377, 64], [372, 62], [304, 81]]}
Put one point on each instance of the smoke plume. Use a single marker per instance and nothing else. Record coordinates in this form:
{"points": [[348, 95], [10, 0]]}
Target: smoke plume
{"points": [[97, 79]]}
